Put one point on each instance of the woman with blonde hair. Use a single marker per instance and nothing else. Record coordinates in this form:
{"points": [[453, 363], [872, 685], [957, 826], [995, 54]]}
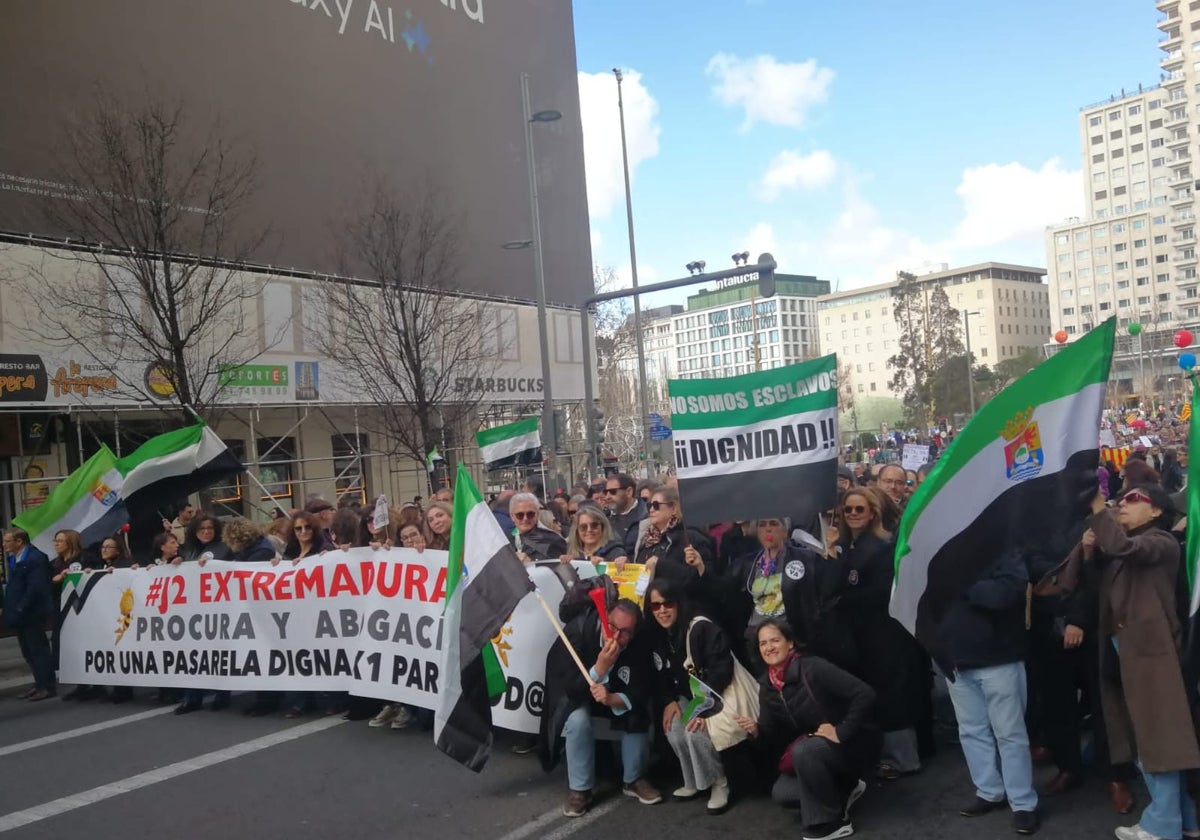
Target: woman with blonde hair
{"points": [[437, 525], [858, 574], [591, 538]]}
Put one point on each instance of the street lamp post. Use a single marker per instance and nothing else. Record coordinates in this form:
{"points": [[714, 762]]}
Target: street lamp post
{"points": [[643, 400], [970, 378], [549, 433]]}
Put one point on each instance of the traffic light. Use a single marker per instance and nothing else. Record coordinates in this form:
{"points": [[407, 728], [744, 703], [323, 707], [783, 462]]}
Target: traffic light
{"points": [[560, 431], [596, 417], [766, 277]]}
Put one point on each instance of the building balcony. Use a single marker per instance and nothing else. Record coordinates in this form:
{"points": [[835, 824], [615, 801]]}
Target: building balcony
{"points": [[1182, 280], [1173, 41], [1180, 180], [1173, 82], [1182, 198], [1183, 259], [1175, 119], [1169, 22], [1181, 219], [1175, 143], [1182, 240], [1165, 6], [1173, 61]]}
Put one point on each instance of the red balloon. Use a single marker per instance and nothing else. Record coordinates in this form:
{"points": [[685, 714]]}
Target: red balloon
{"points": [[125, 528], [1061, 336], [1183, 338]]}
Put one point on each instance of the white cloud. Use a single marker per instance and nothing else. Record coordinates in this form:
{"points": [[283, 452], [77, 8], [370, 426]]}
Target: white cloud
{"points": [[768, 90], [792, 170], [1004, 202], [602, 135]]}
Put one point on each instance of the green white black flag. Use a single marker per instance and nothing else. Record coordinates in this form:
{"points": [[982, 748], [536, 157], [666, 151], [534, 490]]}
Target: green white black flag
{"points": [[760, 445], [1013, 477]]}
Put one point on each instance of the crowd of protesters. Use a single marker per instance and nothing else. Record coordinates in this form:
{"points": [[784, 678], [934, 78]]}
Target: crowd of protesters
{"points": [[818, 689]]}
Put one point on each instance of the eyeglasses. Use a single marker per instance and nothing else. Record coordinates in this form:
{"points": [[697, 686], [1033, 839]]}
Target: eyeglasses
{"points": [[656, 505], [658, 606], [108, 547], [574, 512], [612, 491], [302, 528], [619, 632], [591, 526], [1135, 497], [525, 514], [848, 509]]}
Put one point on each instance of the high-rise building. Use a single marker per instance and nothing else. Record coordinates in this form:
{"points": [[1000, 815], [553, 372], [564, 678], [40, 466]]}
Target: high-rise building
{"points": [[1133, 254], [730, 330], [1008, 306]]}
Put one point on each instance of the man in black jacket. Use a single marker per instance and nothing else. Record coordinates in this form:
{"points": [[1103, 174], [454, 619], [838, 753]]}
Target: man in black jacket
{"points": [[625, 509], [28, 601], [983, 639], [618, 687]]}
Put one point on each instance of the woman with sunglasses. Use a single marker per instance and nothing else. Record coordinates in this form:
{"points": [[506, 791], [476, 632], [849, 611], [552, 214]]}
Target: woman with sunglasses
{"points": [[683, 643], [818, 719], [307, 538], [591, 538], [859, 574], [1147, 717], [665, 547]]}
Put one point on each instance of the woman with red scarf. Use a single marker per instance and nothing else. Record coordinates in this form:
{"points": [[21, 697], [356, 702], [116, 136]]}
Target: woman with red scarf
{"points": [[820, 721]]}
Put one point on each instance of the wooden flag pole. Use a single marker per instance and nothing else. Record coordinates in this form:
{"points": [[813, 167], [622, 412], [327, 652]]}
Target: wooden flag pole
{"points": [[562, 635]]}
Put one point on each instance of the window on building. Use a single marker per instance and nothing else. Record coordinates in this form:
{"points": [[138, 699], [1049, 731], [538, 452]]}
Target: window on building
{"points": [[276, 465], [350, 466]]}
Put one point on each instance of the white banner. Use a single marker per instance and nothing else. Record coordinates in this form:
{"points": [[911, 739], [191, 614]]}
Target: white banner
{"points": [[363, 621]]}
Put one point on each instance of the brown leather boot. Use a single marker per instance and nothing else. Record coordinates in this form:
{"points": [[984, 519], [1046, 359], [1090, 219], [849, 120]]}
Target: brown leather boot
{"points": [[1120, 796]]}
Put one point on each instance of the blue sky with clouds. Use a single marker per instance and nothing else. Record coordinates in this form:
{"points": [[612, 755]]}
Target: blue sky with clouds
{"points": [[850, 139]]}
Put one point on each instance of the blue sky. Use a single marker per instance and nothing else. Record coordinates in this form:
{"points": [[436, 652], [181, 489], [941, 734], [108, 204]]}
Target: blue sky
{"points": [[850, 139]]}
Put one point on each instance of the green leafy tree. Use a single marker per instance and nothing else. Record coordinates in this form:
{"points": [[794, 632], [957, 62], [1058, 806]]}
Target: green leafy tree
{"points": [[910, 363]]}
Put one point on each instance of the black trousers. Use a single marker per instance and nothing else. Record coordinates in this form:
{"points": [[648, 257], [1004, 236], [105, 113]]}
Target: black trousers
{"points": [[821, 783], [1056, 674], [36, 650]]}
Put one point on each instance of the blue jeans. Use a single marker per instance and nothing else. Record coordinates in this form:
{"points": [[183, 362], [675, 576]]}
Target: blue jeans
{"points": [[1171, 811], [990, 706], [581, 751]]}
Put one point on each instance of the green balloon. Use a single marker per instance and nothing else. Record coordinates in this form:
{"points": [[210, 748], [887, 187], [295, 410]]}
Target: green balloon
{"points": [[1134, 328]]}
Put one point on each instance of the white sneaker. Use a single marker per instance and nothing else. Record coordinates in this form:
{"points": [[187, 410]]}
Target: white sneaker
{"points": [[685, 792], [855, 795], [385, 717], [718, 796], [1135, 832], [403, 718]]}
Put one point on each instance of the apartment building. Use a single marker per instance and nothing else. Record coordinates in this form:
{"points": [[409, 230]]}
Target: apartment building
{"points": [[730, 330], [1133, 254], [1007, 309]]}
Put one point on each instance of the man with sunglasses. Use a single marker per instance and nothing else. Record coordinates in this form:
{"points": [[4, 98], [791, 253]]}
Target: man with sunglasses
{"points": [[532, 541], [625, 509], [617, 688]]}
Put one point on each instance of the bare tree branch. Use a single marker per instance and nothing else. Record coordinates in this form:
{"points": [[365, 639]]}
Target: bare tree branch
{"points": [[161, 219], [408, 339]]}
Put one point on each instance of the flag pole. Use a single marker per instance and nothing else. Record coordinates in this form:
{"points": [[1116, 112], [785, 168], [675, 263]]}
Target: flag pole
{"points": [[562, 635]]}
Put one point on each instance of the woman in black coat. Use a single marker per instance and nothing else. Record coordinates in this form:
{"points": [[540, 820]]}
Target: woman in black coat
{"points": [[674, 630], [860, 570], [670, 551], [820, 720]]}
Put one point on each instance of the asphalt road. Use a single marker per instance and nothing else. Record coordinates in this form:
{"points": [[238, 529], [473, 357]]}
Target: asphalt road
{"points": [[72, 770]]}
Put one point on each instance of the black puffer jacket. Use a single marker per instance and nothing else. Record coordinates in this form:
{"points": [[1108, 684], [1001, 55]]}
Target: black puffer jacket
{"points": [[836, 697], [986, 626]]}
